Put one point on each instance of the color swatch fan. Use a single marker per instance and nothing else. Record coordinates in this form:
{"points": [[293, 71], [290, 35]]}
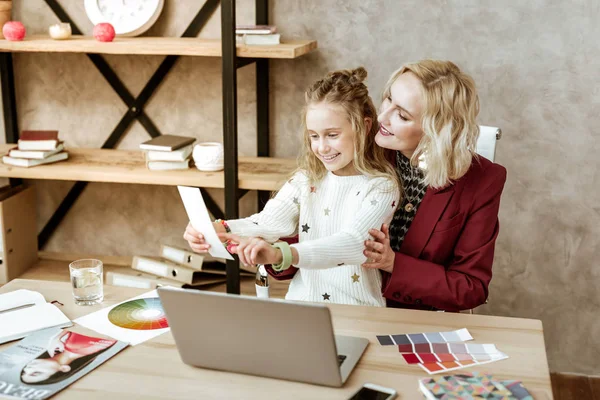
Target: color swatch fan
{"points": [[140, 314], [438, 352]]}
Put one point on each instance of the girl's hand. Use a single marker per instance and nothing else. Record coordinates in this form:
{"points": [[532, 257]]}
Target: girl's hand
{"points": [[252, 251], [196, 240], [379, 252]]}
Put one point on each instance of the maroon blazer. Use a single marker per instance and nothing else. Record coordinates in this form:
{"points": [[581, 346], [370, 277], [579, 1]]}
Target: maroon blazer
{"points": [[445, 261]]}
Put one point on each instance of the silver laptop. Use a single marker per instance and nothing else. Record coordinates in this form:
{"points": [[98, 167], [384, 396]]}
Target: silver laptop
{"points": [[272, 338]]}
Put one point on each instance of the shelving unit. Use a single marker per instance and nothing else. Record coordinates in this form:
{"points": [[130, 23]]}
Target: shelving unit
{"points": [[260, 173]]}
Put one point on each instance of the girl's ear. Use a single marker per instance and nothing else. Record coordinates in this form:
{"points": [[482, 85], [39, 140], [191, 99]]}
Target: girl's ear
{"points": [[368, 124], [64, 368]]}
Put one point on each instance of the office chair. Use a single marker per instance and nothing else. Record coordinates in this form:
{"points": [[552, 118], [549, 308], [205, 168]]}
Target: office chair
{"points": [[486, 144], [486, 147]]}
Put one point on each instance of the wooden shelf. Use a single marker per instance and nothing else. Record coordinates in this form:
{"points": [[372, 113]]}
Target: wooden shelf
{"points": [[154, 46], [127, 166]]}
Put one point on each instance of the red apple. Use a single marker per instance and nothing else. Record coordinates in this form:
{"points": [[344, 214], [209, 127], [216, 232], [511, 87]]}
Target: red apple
{"points": [[13, 30], [104, 32]]}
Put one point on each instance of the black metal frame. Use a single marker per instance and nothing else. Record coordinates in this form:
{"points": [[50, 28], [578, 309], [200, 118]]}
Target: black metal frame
{"points": [[9, 103], [230, 64]]}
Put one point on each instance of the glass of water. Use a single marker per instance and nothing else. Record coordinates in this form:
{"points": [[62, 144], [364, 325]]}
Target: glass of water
{"points": [[87, 281]]}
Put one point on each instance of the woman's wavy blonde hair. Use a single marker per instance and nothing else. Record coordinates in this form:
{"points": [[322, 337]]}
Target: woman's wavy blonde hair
{"points": [[346, 89], [450, 107]]}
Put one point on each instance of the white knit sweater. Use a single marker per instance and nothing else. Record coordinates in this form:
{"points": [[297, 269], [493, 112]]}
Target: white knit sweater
{"points": [[333, 218]]}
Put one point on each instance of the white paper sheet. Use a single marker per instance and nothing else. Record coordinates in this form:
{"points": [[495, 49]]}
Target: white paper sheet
{"points": [[99, 322], [24, 311], [200, 220]]}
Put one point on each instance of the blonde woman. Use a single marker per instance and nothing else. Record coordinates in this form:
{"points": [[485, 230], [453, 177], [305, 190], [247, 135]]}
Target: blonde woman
{"points": [[437, 252], [344, 187]]}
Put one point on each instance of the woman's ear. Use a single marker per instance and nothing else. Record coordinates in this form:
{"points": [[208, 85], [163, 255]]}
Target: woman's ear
{"points": [[64, 368], [368, 124]]}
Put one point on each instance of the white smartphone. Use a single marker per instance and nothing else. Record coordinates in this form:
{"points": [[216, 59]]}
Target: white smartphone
{"points": [[370, 391]]}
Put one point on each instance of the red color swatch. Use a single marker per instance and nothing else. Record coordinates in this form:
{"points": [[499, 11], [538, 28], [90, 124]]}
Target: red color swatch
{"points": [[411, 358]]}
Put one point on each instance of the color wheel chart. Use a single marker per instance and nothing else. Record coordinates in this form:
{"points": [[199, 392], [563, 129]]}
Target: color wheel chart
{"points": [[140, 314]]}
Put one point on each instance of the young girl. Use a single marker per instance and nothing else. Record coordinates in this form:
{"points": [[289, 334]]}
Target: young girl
{"points": [[344, 186]]}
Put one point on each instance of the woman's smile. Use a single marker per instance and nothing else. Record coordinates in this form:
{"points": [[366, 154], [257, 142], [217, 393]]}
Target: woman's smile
{"points": [[384, 132]]}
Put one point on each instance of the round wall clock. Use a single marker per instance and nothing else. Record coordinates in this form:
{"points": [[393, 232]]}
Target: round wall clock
{"points": [[128, 17]]}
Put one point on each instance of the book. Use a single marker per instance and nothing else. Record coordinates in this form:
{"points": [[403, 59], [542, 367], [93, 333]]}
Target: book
{"points": [[26, 163], [181, 154], [181, 256], [196, 261], [38, 135], [38, 140], [255, 29], [262, 40], [163, 267], [48, 361], [141, 280], [158, 266], [167, 143], [25, 311], [32, 154], [168, 165], [472, 386]]}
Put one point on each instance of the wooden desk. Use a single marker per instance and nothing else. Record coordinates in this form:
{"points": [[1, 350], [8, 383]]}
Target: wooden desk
{"points": [[153, 370]]}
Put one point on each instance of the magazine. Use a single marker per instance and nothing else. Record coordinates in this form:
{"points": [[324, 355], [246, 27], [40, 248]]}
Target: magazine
{"points": [[472, 386], [49, 360]]}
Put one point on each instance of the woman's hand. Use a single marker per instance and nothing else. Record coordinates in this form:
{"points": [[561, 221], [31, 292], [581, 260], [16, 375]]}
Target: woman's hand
{"points": [[379, 253], [252, 251], [196, 240]]}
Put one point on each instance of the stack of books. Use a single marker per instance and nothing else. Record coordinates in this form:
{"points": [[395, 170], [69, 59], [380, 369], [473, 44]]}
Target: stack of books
{"points": [[174, 267], [257, 35], [168, 152], [36, 148]]}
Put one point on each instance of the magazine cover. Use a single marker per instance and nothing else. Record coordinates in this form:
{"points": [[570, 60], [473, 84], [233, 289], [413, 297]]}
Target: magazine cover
{"points": [[49, 360], [472, 386]]}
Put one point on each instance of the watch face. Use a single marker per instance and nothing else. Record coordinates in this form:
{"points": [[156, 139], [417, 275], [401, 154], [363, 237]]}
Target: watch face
{"points": [[128, 17]]}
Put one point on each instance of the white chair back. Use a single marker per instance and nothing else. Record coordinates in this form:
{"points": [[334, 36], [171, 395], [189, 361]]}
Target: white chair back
{"points": [[486, 144]]}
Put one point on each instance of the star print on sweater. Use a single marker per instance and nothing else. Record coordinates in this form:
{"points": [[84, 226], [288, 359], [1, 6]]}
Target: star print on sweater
{"points": [[326, 296], [330, 250], [355, 278]]}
